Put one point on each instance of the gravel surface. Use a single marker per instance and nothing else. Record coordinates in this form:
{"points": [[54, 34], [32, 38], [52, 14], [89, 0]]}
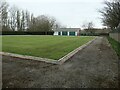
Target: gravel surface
{"points": [[96, 66]]}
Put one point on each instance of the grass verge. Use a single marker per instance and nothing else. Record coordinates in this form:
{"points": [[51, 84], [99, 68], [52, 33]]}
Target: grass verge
{"points": [[115, 45]]}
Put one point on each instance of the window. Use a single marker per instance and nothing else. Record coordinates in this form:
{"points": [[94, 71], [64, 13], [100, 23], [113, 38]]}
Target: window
{"points": [[64, 33], [72, 33]]}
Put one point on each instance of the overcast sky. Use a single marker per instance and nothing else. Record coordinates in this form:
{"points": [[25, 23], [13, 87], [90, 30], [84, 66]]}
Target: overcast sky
{"points": [[71, 13]]}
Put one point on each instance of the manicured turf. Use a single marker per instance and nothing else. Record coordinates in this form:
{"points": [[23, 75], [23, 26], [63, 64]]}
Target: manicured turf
{"points": [[115, 45], [53, 47]]}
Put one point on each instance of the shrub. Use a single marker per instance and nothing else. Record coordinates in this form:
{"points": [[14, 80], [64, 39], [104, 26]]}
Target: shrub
{"points": [[26, 33]]}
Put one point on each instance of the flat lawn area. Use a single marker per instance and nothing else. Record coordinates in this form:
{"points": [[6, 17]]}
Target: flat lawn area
{"points": [[52, 47]]}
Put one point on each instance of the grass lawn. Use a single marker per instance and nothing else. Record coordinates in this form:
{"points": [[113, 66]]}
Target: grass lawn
{"points": [[52, 47], [115, 45]]}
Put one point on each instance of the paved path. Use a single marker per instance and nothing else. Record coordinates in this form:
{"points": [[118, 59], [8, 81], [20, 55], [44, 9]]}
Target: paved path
{"points": [[96, 66]]}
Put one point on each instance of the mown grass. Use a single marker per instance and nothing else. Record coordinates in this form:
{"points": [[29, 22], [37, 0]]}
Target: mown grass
{"points": [[53, 47], [115, 45]]}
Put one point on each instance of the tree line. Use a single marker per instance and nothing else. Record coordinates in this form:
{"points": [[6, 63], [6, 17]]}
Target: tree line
{"points": [[15, 19]]}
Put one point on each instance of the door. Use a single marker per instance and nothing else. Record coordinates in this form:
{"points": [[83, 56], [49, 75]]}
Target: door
{"points": [[59, 33]]}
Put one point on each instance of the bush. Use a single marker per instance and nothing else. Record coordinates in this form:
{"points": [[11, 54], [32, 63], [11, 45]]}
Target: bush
{"points": [[25, 33], [89, 34]]}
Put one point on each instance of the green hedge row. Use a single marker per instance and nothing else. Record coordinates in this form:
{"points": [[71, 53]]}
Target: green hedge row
{"points": [[94, 34], [25, 33]]}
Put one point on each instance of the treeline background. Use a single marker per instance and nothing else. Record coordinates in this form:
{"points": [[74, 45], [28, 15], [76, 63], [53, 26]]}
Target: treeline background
{"points": [[15, 19]]}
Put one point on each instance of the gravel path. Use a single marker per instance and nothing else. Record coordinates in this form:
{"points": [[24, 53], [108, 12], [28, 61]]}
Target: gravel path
{"points": [[96, 66]]}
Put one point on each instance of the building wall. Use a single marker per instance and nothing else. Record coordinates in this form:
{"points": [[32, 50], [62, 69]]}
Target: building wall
{"points": [[115, 36], [55, 33], [75, 33], [68, 33]]}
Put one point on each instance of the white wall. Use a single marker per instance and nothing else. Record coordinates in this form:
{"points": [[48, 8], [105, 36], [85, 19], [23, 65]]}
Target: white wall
{"points": [[55, 33], [75, 33], [61, 33], [68, 33]]}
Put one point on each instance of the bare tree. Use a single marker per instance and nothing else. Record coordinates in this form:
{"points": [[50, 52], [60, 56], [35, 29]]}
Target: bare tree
{"points": [[3, 5], [13, 18], [32, 23], [23, 21], [4, 14], [27, 19], [18, 20], [111, 13], [42, 23], [89, 27], [57, 25]]}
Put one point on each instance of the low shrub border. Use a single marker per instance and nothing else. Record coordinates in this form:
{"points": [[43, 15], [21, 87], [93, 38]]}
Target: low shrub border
{"points": [[94, 34], [26, 33]]}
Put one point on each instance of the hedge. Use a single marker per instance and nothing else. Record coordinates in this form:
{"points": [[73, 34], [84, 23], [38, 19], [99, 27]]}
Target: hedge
{"points": [[26, 33], [94, 34]]}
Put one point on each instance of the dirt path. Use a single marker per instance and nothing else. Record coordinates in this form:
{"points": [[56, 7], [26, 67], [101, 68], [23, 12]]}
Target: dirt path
{"points": [[96, 66]]}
